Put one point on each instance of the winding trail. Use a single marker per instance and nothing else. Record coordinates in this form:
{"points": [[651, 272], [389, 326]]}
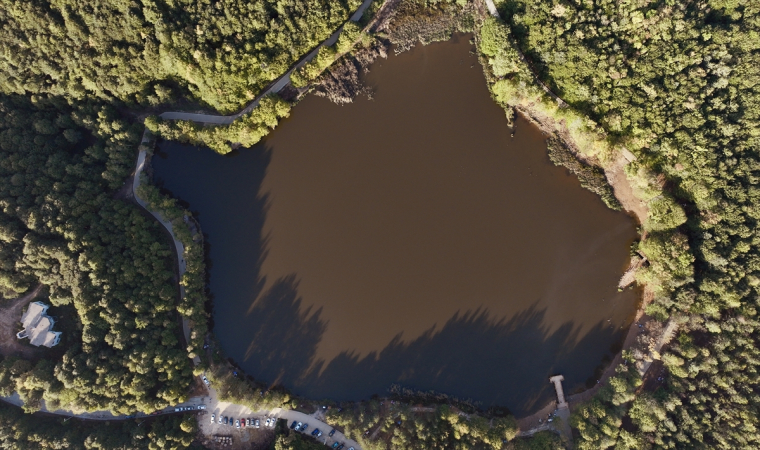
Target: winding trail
{"points": [[212, 402], [212, 405], [273, 87], [179, 247]]}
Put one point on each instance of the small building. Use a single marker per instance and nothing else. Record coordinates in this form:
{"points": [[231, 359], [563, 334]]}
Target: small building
{"points": [[38, 326]]}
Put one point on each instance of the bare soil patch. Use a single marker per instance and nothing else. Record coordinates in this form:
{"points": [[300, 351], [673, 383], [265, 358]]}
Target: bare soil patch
{"points": [[623, 189], [10, 316]]}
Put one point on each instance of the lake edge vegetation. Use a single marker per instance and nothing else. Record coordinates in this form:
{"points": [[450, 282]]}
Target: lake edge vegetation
{"points": [[697, 173], [695, 164]]}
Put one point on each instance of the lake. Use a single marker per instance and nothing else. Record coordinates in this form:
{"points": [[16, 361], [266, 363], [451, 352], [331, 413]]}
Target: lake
{"points": [[408, 239]]}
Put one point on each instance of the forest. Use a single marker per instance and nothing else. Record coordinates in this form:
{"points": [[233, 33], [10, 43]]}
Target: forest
{"points": [[678, 85], [220, 54], [72, 78], [67, 225], [20, 431], [441, 427]]}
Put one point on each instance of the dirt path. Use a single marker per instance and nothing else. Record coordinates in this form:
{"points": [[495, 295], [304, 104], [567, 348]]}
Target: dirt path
{"points": [[623, 189], [274, 87], [10, 316]]}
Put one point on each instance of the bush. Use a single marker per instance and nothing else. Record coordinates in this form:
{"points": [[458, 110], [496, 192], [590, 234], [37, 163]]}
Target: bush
{"points": [[244, 131]]}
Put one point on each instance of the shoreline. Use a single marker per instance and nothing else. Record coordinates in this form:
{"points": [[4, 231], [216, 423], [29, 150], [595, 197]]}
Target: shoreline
{"points": [[623, 192]]}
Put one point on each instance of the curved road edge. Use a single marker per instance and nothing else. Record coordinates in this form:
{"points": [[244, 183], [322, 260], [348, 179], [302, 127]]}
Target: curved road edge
{"points": [[213, 404], [209, 404], [274, 87]]}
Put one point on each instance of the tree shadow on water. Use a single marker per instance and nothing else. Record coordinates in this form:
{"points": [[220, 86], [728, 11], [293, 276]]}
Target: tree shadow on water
{"points": [[284, 334], [274, 335], [472, 356]]}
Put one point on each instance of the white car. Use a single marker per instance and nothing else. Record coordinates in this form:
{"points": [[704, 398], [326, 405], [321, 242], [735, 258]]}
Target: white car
{"points": [[201, 406], [213, 416], [266, 423], [205, 380]]}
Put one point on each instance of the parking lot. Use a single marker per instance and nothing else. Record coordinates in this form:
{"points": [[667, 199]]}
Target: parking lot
{"points": [[248, 437]]}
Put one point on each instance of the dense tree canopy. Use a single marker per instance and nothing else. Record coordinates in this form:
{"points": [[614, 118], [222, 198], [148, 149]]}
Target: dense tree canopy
{"points": [[222, 52], [440, 427], [245, 131], [678, 85], [20, 431], [59, 168]]}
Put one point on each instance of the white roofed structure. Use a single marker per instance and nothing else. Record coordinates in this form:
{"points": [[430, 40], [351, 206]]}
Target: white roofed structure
{"points": [[38, 326]]}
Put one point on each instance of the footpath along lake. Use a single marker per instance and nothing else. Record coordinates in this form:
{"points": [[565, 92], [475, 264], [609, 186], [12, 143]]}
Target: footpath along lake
{"points": [[408, 239]]}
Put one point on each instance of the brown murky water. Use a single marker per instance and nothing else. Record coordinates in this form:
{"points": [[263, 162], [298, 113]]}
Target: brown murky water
{"points": [[408, 240]]}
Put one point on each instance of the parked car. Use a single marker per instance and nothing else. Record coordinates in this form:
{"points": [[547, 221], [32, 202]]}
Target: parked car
{"points": [[273, 422], [298, 427], [335, 445], [205, 380], [293, 425], [319, 433], [305, 426], [237, 423], [266, 422], [177, 409], [213, 418], [220, 419], [341, 446], [225, 420], [201, 406], [314, 433], [242, 423], [350, 448], [332, 432], [257, 423], [189, 408]]}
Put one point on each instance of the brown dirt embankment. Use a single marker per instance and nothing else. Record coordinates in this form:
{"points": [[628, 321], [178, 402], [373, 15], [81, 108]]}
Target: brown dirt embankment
{"points": [[614, 171], [10, 316]]}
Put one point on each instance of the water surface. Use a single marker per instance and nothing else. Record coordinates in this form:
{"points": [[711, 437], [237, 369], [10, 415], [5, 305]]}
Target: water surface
{"points": [[408, 239]]}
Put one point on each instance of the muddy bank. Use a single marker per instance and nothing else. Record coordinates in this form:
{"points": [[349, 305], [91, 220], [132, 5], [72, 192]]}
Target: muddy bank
{"points": [[397, 28]]}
